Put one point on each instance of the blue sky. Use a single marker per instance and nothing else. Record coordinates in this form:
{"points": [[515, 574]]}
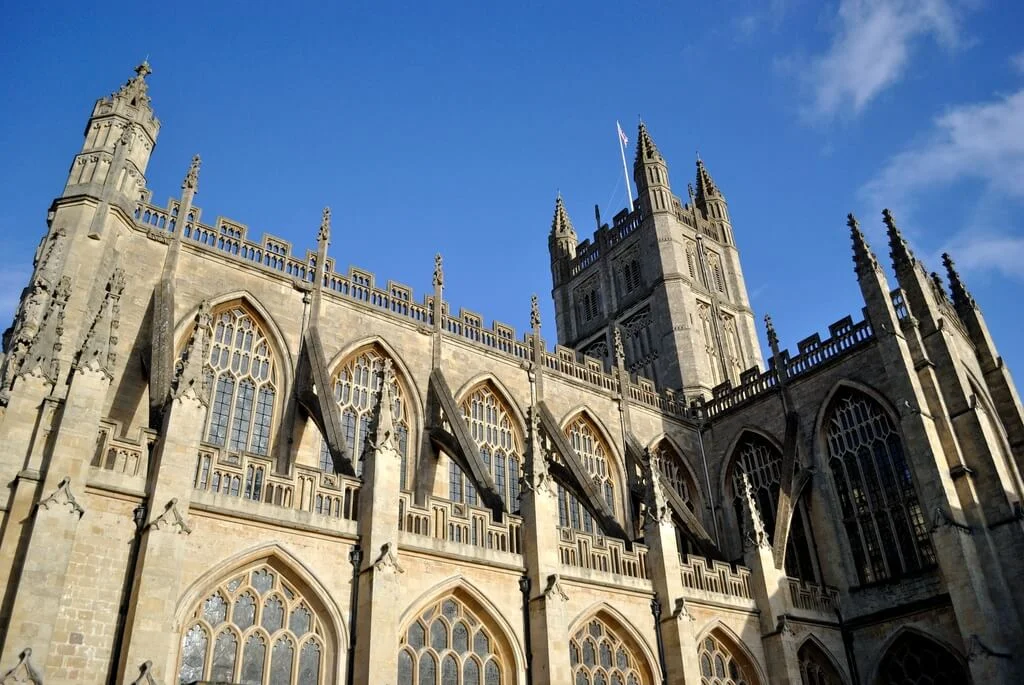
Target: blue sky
{"points": [[451, 126]]}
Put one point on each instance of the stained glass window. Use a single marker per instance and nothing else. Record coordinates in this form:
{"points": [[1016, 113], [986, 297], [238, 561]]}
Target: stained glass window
{"points": [[882, 517], [499, 440], [598, 654], [253, 644], [761, 461], [356, 389], [241, 367], [594, 456], [447, 640], [720, 665], [914, 659]]}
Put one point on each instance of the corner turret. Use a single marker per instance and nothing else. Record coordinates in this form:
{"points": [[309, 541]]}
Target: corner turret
{"points": [[710, 202], [654, 194], [561, 243]]}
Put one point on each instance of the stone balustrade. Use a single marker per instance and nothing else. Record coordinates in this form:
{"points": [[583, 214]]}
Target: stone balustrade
{"points": [[456, 522], [599, 553], [715, 577], [814, 598], [118, 456]]}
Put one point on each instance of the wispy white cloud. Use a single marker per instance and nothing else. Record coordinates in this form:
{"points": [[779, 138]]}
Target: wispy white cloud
{"points": [[981, 141], [871, 49]]}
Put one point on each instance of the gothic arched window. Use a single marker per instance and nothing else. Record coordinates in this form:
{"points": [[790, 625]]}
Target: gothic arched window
{"points": [[449, 645], [883, 520], [356, 389], [815, 666], [594, 455], [913, 659], [676, 474], [721, 664], [243, 376], [499, 441], [762, 462], [599, 656], [255, 628]]}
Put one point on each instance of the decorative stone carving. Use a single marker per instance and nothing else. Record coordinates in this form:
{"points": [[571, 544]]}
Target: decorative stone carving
{"points": [[23, 671], [534, 312], [385, 438], [976, 648], [942, 520], [620, 350], [171, 519], [191, 181], [438, 270], [681, 613], [190, 380], [146, 675], [99, 351], [62, 497], [535, 476], [554, 590], [387, 562], [658, 510], [757, 536], [324, 235]]}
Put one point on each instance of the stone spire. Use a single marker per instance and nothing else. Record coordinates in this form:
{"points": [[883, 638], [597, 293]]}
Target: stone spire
{"points": [[902, 256], [99, 351], [135, 91], [706, 188], [561, 225], [864, 260], [961, 296], [646, 150]]}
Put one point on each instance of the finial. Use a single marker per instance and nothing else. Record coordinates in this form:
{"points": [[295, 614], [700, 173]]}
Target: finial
{"points": [[899, 250], [620, 350], [863, 257], [773, 338], [534, 312], [961, 296], [191, 181], [144, 70], [758, 535], [438, 270], [324, 236], [561, 225]]}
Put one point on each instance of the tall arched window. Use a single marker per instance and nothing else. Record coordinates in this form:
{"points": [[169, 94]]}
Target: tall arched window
{"points": [[448, 644], [242, 372], [881, 514], [815, 666], [255, 628], [599, 656], [356, 389], [595, 457], [677, 476], [722, 664], [914, 659], [499, 441], [762, 462]]}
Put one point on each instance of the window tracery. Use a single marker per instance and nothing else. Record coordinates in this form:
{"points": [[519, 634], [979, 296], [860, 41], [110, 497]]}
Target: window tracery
{"points": [[719, 665], [914, 659], [594, 456], [256, 628], [881, 515], [242, 373], [497, 437], [357, 387], [676, 474], [448, 644], [639, 347], [599, 656], [762, 463], [815, 666]]}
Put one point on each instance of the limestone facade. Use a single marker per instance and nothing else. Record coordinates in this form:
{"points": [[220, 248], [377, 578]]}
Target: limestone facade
{"points": [[225, 461]]}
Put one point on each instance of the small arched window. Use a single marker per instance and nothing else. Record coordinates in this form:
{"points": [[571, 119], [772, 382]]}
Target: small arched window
{"points": [[356, 390], [883, 520], [241, 370], [599, 655], [815, 666], [720, 664], [499, 441], [761, 461], [254, 628], [449, 644]]}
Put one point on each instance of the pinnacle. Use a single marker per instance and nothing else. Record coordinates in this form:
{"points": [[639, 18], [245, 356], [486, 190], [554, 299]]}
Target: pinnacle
{"points": [[961, 296], [191, 181], [706, 188], [560, 223], [646, 150], [773, 338], [899, 250], [324, 235], [863, 257]]}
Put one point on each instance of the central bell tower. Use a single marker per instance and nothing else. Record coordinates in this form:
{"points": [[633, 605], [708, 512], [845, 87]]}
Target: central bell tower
{"points": [[667, 274]]}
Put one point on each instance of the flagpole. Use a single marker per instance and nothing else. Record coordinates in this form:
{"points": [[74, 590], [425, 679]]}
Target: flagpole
{"points": [[625, 169]]}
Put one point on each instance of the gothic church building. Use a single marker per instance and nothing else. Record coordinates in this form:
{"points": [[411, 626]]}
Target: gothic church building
{"points": [[225, 461]]}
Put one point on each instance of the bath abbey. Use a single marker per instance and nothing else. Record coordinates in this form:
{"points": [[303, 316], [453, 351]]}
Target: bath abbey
{"points": [[225, 461]]}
